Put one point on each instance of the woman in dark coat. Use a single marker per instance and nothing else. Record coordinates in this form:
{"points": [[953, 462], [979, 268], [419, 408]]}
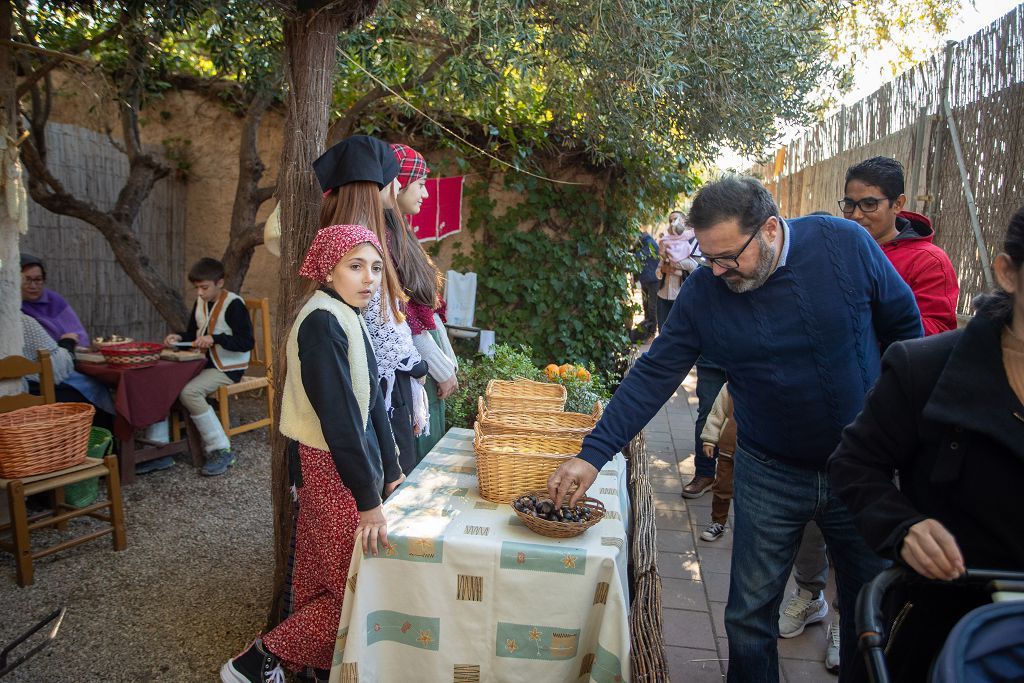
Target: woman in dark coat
{"points": [[947, 415]]}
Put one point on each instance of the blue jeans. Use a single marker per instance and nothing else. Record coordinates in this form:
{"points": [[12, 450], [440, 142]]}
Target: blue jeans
{"points": [[710, 379], [773, 503]]}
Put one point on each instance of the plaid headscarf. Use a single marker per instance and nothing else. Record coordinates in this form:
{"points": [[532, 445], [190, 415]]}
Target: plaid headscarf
{"points": [[330, 246], [412, 165]]}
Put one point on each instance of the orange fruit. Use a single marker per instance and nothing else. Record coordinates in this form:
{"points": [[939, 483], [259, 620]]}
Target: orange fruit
{"points": [[583, 375], [566, 370], [551, 371]]}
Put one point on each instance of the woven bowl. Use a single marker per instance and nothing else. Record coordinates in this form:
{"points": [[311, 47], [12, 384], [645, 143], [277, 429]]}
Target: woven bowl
{"points": [[132, 354], [551, 529], [538, 422], [44, 438]]}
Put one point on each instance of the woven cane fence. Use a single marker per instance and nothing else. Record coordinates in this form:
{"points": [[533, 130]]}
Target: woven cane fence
{"points": [[80, 265], [904, 119], [647, 643]]}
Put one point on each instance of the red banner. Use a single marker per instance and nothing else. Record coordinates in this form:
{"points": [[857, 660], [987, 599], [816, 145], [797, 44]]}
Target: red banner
{"points": [[441, 212]]}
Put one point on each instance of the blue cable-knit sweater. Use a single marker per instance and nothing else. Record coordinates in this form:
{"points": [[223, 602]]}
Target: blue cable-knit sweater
{"points": [[801, 351]]}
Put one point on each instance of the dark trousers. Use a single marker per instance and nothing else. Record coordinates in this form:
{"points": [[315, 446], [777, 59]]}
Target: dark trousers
{"points": [[649, 290], [664, 307], [710, 379]]}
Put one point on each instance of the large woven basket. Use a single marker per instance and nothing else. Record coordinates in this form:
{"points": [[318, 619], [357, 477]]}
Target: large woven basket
{"points": [[508, 464], [541, 422], [132, 354], [44, 438], [524, 394]]}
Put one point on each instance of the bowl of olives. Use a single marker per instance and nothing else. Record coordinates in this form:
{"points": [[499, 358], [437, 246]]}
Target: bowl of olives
{"points": [[540, 514]]}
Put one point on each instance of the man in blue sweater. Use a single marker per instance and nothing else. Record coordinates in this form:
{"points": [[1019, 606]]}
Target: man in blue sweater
{"points": [[797, 313]]}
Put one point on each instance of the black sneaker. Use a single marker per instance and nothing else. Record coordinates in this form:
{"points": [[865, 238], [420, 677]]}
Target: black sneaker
{"points": [[254, 665], [217, 463]]}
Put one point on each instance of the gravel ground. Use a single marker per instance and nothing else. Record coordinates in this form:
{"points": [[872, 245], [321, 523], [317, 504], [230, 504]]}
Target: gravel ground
{"points": [[190, 590]]}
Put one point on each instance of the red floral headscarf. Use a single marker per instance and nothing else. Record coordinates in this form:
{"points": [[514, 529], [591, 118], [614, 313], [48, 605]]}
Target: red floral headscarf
{"points": [[412, 165], [330, 246]]}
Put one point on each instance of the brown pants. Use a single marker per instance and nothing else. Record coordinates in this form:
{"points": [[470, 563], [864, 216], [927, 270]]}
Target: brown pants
{"points": [[721, 491]]}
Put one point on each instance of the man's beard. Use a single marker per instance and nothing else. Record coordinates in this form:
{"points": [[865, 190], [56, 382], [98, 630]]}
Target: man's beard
{"points": [[762, 271]]}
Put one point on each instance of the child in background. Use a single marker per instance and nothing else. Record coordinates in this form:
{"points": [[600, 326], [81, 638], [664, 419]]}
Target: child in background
{"points": [[720, 432], [333, 408], [221, 327]]}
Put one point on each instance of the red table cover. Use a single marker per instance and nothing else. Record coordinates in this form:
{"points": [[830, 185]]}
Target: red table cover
{"points": [[145, 395]]}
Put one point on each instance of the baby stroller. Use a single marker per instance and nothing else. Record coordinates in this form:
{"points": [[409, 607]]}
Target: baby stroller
{"points": [[986, 644], [8, 664]]}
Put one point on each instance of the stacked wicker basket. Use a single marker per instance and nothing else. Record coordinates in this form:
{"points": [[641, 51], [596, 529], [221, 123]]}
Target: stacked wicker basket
{"points": [[522, 435]]}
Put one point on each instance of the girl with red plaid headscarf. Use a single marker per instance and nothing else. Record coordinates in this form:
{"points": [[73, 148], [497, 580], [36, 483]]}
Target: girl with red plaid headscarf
{"points": [[422, 283], [333, 409]]}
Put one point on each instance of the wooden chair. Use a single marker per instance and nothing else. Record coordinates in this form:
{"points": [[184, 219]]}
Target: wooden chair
{"points": [[21, 523], [260, 362]]}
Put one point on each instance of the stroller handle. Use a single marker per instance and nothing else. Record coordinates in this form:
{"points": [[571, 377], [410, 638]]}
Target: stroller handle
{"points": [[870, 617]]}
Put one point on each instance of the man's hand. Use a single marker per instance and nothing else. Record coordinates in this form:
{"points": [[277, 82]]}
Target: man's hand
{"points": [[709, 450], [390, 488], [447, 387], [932, 552], [172, 339], [574, 471], [204, 342]]}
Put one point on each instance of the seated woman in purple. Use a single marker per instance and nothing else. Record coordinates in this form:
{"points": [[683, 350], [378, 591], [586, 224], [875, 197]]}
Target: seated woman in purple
{"points": [[56, 316]]}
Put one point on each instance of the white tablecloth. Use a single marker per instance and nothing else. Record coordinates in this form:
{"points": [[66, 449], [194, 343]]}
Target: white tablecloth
{"points": [[467, 593]]}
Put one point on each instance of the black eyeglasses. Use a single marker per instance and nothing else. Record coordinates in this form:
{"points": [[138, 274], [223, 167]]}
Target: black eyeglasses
{"points": [[34, 280], [867, 205], [729, 262]]}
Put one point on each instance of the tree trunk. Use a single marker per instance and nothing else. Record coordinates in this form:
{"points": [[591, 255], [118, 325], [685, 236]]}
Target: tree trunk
{"points": [[310, 39], [115, 226], [11, 333], [245, 235]]}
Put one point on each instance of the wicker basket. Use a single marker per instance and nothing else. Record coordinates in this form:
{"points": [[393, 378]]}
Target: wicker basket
{"points": [[546, 422], [524, 394], [44, 438], [132, 354], [551, 529], [508, 464]]}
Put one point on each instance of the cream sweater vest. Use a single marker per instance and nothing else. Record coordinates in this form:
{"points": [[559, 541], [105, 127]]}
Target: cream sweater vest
{"points": [[214, 323], [298, 419]]}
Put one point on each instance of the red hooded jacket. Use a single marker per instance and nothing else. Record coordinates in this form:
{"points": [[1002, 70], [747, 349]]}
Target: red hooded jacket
{"points": [[927, 269]]}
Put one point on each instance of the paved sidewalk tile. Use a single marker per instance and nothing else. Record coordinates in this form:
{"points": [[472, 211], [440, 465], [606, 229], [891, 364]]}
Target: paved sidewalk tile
{"points": [[688, 665], [686, 628]]}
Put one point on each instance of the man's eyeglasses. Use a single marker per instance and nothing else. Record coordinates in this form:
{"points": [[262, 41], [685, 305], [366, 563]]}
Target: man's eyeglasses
{"points": [[34, 280], [729, 262], [867, 204]]}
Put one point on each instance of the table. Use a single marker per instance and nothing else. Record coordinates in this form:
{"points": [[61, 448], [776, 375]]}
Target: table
{"points": [[468, 593], [142, 397]]}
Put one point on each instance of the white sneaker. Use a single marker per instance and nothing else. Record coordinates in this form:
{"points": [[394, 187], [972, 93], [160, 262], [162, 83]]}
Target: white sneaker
{"points": [[802, 609], [713, 532], [832, 650]]}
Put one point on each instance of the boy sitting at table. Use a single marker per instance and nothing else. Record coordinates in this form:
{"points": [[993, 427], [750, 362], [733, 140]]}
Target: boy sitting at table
{"points": [[220, 326]]}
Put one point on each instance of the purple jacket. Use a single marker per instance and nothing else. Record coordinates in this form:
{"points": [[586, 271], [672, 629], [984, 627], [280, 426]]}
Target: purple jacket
{"points": [[55, 315]]}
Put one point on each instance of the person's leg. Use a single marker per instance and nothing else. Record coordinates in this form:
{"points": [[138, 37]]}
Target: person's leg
{"points": [[855, 564], [215, 440], [807, 604], [773, 503], [650, 296], [664, 307], [721, 493], [710, 379]]}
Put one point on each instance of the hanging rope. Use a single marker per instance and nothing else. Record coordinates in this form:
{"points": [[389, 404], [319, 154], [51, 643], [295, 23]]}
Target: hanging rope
{"points": [[448, 130]]}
